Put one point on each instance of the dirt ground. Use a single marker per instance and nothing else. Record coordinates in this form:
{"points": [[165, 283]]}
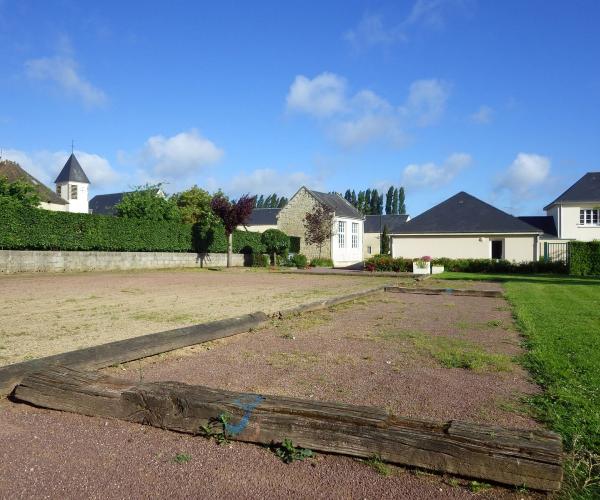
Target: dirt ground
{"points": [[389, 350], [44, 314]]}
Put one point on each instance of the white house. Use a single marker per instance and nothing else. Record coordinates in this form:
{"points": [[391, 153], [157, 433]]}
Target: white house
{"points": [[72, 186], [465, 227]]}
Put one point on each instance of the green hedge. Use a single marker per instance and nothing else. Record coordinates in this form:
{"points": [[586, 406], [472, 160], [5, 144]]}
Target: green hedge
{"points": [[387, 263], [24, 228], [584, 258], [498, 266]]}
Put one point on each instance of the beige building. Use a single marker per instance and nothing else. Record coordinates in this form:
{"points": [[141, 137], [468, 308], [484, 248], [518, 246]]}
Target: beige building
{"points": [[466, 227], [374, 226], [345, 247]]}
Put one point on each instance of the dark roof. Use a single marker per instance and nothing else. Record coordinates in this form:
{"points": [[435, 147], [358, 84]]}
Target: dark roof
{"points": [[13, 172], [72, 171], [586, 189], [542, 222], [375, 223], [263, 217], [339, 205], [104, 204], [463, 213]]}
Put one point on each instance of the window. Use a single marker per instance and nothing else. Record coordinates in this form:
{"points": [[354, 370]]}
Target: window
{"points": [[369, 250], [74, 192], [341, 234], [497, 249], [58, 190], [589, 217], [355, 235]]}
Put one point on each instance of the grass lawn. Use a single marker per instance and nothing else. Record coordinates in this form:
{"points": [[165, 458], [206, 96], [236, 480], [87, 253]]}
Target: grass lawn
{"points": [[560, 319]]}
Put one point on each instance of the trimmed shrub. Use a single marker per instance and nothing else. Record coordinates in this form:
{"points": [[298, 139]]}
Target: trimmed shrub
{"points": [[300, 261], [387, 263], [26, 228], [321, 262], [499, 266], [260, 260], [584, 258], [276, 242]]}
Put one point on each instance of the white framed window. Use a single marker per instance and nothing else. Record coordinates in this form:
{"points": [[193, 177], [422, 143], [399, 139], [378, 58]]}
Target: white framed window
{"points": [[355, 235], [58, 190], [341, 234], [369, 250], [74, 192], [589, 217]]}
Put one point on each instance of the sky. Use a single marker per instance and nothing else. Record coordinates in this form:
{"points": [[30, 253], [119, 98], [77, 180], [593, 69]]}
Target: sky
{"points": [[499, 99]]}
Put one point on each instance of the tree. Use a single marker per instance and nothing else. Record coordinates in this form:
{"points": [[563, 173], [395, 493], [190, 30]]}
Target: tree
{"points": [[385, 241], [260, 202], [194, 207], [232, 215], [374, 202], [318, 226], [380, 204], [20, 191], [276, 242], [395, 202], [401, 200], [348, 196], [360, 205], [148, 202], [282, 202], [367, 207], [354, 200], [389, 200]]}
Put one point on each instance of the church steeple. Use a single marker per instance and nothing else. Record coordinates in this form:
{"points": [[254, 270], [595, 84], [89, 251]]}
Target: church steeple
{"points": [[72, 185]]}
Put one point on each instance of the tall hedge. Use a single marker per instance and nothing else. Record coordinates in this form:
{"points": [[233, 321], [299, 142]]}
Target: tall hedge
{"points": [[24, 228], [584, 258]]}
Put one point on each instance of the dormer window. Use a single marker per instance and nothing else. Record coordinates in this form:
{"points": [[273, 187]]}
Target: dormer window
{"points": [[74, 192], [589, 217]]}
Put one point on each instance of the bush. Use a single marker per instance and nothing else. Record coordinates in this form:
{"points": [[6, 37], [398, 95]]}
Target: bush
{"points": [[276, 242], [321, 262], [584, 258], [26, 228], [498, 266], [260, 260], [387, 263], [300, 261]]}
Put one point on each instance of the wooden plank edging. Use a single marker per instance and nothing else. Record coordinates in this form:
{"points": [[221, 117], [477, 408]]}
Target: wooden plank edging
{"points": [[445, 291], [531, 458]]}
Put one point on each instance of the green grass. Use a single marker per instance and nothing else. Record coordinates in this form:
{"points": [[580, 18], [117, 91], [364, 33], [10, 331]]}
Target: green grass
{"points": [[560, 320], [379, 466], [182, 458]]}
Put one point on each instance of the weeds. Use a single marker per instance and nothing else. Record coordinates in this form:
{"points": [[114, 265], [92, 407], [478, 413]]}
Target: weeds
{"points": [[289, 453], [182, 458], [379, 465], [216, 428], [477, 487]]}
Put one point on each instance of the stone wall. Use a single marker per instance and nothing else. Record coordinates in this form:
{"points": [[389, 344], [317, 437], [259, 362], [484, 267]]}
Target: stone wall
{"points": [[291, 222], [31, 261]]}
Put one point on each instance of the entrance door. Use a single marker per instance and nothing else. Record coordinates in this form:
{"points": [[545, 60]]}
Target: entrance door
{"points": [[497, 249]]}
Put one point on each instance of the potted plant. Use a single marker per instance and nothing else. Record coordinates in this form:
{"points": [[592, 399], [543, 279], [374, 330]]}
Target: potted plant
{"points": [[422, 265]]}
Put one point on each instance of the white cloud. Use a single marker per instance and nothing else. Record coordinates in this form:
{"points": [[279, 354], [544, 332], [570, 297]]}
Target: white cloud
{"points": [[371, 31], [426, 101], [322, 96], [63, 71], [46, 165], [268, 180], [526, 172], [483, 115], [431, 175], [366, 117], [183, 154]]}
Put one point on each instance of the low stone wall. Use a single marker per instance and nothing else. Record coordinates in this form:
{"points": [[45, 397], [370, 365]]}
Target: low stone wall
{"points": [[32, 261]]}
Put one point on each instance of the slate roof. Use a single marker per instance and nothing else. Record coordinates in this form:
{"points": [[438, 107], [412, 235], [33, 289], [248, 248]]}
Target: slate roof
{"points": [[339, 205], [13, 172], [375, 223], [72, 171], [263, 217], [542, 222], [104, 204], [463, 213], [586, 189]]}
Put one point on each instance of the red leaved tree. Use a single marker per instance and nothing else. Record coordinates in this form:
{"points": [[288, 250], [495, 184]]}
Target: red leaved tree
{"points": [[318, 226], [232, 215]]}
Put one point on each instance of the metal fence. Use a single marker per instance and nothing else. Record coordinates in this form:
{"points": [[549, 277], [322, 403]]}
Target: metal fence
{"points": [[556, 252]]}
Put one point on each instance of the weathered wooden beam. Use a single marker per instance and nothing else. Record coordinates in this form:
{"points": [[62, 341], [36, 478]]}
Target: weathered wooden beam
{"points": [[445, 291], [528, 458], [131, 349]]}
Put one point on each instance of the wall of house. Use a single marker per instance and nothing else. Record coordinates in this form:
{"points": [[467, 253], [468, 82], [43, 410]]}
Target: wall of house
{"points": [[346, 255], [570, 229], [258, 228], [371, 241], [291, 221], [55, 207], [33, 261], [516, 248], [79, 205]]}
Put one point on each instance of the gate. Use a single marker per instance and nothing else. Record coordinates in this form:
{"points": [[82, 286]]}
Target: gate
{"points": [[556, 252]]}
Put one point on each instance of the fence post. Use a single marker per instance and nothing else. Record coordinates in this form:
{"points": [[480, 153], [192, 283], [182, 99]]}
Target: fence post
{"points": [[545, 251]]}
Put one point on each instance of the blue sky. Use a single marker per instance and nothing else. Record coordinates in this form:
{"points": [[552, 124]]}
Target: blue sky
{"points": [[500, 99]]}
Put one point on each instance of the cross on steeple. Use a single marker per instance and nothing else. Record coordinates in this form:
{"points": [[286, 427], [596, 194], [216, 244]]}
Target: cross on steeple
{"points": [[72, 145]]}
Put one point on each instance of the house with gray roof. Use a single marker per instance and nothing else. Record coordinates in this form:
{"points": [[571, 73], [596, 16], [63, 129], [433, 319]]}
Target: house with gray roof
{"points": [[345, 246], [374, 228], [464, 226], [262, 219]]}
